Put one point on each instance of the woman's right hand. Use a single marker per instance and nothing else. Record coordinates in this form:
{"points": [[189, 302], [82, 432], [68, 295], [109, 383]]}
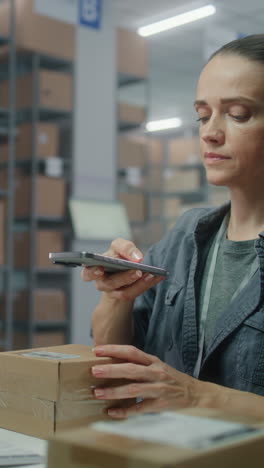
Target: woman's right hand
{"points": [[126, 285]]}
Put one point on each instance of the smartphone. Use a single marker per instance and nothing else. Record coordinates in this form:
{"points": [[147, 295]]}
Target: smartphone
{"points": [[110, 264]]}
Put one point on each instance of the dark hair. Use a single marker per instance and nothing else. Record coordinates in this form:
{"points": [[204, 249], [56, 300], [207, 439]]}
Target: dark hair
{"points": [[251, 47]]}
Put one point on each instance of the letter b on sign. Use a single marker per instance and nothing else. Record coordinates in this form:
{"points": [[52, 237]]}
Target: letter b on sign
{"points": [[90, 13]]}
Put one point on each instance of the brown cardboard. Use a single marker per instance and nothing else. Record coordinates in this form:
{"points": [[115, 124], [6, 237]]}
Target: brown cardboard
{"points": [[135, 204], [54, 91], [39, 339], [47, 141], [184, 151], [131, 53], [131, 153], [48, 305], [2, 232], [38, 33], [50, 196], [218, 196], [176, 180], [86, 447], [155, 151], [128, 113], [40, 396], [46, 241]]}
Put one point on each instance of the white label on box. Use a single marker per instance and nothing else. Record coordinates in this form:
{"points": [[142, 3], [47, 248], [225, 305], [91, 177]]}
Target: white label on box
{"points": [[175, 429], [12, 455], [54, 167], [50, 355]]}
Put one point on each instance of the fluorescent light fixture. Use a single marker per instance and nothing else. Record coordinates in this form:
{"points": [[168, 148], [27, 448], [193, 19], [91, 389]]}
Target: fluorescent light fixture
{"points": [[164, 124], [178, 20]]}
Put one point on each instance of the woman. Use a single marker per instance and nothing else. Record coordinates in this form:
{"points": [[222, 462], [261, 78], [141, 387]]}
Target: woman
{"points": [[198, 335]]}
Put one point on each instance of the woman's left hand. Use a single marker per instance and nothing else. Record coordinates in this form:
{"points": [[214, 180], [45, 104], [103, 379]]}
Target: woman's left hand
{"points": [[160, 386]]}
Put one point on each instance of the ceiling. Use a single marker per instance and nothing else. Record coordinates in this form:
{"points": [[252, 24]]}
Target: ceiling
{"points": [[176, 57]]}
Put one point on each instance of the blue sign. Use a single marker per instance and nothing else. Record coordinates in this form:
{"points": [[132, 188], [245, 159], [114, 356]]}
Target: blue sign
{"points": [[90, 12]]}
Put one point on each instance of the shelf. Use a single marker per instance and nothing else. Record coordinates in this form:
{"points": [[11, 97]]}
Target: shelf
{"points": [[3, 40], [53, 271], [127, 126], [24, 63], [25, 115], [3, 193], [41, 324], [124, 79]]}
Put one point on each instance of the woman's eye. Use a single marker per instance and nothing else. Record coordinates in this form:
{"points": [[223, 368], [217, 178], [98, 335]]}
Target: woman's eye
{"points": [[203, 119], [240, 118]]}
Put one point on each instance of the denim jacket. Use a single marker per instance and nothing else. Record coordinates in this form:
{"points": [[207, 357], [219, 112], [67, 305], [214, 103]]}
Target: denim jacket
{"points": [[165, 316]]}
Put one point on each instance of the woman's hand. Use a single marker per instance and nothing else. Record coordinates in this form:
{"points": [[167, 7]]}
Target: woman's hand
{"points": [[160, 386], [125, 285]]}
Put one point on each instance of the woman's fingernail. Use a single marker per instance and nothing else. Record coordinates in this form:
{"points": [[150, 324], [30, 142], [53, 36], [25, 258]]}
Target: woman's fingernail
{"points": [[136, 274], [97, 272], [136, 255], [97, 371], [114, 412], [148, 277], [98, 350], [99, 393]]}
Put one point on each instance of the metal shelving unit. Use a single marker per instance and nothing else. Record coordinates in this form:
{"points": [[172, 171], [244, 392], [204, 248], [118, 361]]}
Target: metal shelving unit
{"points": [[15, 65]]}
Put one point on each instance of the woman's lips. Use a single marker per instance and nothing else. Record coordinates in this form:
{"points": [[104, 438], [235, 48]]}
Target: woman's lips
{"points": [[212, 158]]}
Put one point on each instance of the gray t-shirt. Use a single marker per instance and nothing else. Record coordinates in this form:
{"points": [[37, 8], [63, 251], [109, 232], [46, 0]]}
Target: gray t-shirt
{"points": [[233, 262]]}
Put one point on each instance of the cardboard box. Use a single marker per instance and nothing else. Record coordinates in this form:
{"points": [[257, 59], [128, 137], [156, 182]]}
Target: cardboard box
{"points": [[55, 91], [135, 204], [165, 207], [88, 447], [154, 178], [38, 33], [131, 153], [176, 180], [41, 339], [50, 196], [47, 142], [131, 54], [184, 151], [2, 232], [48, 305], [46, 241], [43, 393], [128, 113], [155, 151]]}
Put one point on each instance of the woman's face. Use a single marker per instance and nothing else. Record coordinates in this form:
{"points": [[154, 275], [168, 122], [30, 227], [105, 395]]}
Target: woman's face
{"points": [[230, 109]]}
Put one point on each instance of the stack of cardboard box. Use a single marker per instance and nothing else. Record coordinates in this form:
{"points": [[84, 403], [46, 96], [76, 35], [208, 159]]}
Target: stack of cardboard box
{"points": [[49, 389]]}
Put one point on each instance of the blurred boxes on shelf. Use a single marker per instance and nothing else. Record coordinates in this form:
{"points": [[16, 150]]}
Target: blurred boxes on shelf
{"points": [[131, 153], [46, 241], [155, 152], [38, 33], [154, 178], [50, 194], [40, 339], [131, 53], [130, 114], [48, 305], [47, 141], [200, 438], [2, 232], [218, 196], [135, 204], [148, 233], [184, 151], [166, 207], [54, 91], [176, 180], [50, 389]]}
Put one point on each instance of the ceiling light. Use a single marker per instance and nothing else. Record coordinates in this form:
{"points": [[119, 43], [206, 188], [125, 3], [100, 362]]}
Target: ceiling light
{"points": [[165, 124], [175, 21]]}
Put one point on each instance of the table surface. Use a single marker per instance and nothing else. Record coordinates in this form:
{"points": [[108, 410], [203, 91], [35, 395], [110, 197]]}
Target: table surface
{"points": [[26, 442]]}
